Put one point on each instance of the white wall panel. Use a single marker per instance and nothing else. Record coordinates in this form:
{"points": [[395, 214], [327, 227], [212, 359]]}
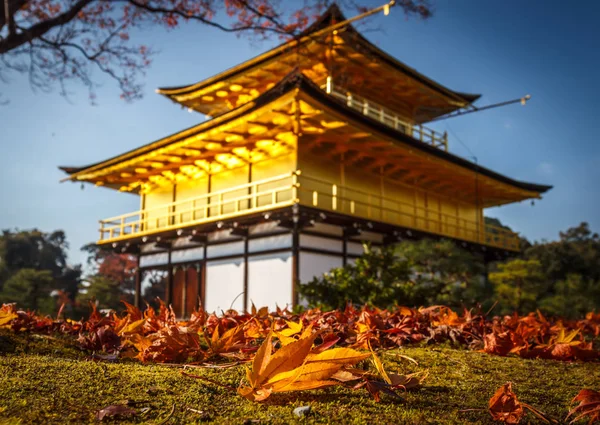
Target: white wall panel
{"points": [[224, 282], [270, 242], [264, 227], [224, 249], [312, 265], [270, 280], [154, 259], [328, 228], [310, 241], [370, 236], [184, 255], [355, 248]]}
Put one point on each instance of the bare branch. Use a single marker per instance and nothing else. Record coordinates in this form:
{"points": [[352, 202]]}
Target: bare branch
{"points": [[27, 34]]}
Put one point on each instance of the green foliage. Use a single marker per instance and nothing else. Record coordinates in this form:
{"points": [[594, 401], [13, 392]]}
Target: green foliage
{"points": [[106, 292], [572, 297], [560, 278], [33, 269], [30, 289], [412, 273], [518, 283], [112, 278], [376, 278], [442, 273]]}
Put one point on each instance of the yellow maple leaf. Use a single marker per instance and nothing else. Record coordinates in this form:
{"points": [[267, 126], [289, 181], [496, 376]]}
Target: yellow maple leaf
{"points": [[292, 329], [293, 367], [227, 342], [6, 317], [133, 328]]}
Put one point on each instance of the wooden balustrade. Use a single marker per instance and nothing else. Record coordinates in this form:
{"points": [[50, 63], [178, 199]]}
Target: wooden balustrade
{"points": [[288, 189], [388, 117]]}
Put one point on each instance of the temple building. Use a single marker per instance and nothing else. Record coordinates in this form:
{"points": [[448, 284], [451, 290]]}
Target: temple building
{"points": [[310, 150]]}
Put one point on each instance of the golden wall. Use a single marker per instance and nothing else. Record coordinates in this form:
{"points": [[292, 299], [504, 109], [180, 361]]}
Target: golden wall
{"points": [[324, 183], [328, 185], [193, 201]]}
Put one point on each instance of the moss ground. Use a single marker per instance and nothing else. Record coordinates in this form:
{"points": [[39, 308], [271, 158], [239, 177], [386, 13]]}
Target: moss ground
{"points": [[48, 380]]}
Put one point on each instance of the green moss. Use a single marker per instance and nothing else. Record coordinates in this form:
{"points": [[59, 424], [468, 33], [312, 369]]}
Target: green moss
{"points": [[50, 381]]}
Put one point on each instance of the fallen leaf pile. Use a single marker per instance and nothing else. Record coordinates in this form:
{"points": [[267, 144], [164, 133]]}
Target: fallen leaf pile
{"points": [[505, 407], [283, 351], [157, 336]]}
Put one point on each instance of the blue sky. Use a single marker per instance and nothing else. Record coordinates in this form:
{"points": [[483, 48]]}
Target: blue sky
{"points": [[503, 49]]}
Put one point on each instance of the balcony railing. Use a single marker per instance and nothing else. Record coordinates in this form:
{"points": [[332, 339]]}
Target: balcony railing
{"points": [[253, 197], [387, 117], [294, 187], [345, 200]]}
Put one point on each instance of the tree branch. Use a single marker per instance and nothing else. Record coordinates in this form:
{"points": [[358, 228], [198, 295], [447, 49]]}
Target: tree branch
{"points": [[35, 31], [201, 18]]}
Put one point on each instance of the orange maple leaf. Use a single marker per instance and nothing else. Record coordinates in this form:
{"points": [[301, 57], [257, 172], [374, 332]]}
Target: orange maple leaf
{"points": [[589, 405], [293, 367]]}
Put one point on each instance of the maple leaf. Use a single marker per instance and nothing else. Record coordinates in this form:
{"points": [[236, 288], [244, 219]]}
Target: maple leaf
{"points": [[293, 367], [392, 381], [589, 405], [498, 343], [113, 411], [232, 339], [100, 339], [505, 407], [7, 314], [172, 343]]}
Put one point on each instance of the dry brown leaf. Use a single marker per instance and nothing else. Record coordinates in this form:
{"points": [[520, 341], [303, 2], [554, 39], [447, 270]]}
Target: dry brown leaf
{"points": [[589, 405], [505, 407], [115, 410], [498, 343]]}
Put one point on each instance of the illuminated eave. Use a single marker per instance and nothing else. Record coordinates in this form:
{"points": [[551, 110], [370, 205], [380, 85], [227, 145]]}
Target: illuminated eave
{"points": [[214, 95], [297, 86]]}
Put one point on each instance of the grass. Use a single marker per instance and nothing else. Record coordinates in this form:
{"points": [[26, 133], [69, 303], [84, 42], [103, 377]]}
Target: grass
{"points": [[48, 380]]}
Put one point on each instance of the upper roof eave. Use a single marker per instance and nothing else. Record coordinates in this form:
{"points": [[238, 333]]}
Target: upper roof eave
{"points": [[332, 15], [296, 80]]}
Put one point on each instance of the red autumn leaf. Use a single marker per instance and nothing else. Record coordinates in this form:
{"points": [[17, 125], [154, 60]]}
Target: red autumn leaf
{"points": [[498, 343], [588, 407], [505, 407]]}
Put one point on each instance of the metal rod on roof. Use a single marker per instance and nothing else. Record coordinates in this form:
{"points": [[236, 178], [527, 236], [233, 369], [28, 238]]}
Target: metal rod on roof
{"points": [[385, 8], [522, 100]]}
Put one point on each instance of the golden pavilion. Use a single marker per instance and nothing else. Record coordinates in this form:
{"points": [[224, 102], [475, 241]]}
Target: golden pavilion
{"points": [[311, 149]]}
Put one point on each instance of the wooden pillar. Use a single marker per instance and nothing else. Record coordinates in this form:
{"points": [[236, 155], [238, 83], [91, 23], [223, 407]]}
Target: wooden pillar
{"points": [[169, 286], [209, 183], [203, 275], [137, 300], [250, 183], [200, 268], [295, 263], [174, 199], [345, 249], [184, 294], [246, 277]]}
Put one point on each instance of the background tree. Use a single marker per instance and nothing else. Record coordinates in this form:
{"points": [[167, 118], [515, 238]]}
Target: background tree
{"points": [[443, 273], [36, 262], [571, 267], [517, 284], [54, 41], [378, 278], [413, 274], [111, 278], [30, 289]]}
